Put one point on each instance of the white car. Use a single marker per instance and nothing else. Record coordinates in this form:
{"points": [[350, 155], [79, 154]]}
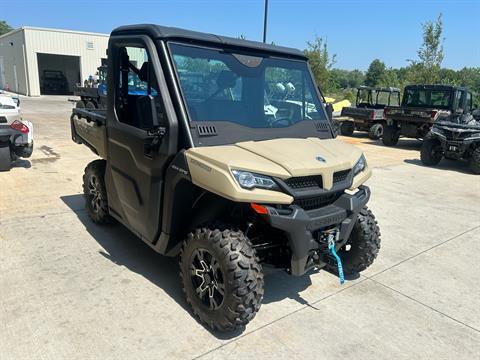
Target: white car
{"points": [[16, 135]]}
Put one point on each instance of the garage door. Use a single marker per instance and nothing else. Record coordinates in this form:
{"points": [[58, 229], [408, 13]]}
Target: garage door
{"points": [[58, 73]]}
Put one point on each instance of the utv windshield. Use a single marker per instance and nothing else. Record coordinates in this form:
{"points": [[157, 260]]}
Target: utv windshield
{"points": [[433, 98], [252, 92]]}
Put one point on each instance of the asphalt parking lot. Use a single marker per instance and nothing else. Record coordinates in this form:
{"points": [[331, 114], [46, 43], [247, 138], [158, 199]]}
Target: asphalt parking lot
{"points": [[72, 289]]}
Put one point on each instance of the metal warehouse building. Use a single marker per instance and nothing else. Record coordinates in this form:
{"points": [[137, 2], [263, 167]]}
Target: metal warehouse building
{"points": [[37, 61]]}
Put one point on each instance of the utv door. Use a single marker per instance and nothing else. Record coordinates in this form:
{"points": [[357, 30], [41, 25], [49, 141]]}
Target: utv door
{"points": [[137, 117]]}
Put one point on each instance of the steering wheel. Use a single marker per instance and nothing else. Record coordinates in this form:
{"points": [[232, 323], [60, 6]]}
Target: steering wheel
{"points": [[279, 120]]}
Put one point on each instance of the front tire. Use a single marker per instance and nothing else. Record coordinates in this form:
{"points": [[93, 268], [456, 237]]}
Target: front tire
{"points": [[376, 131], [431, 152], [391, 135], [474, 162], [347, 128], [363, 244], [222, 278], [95, 192]]}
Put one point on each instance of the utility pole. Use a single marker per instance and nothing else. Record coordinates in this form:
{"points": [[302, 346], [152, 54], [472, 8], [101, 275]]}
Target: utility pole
{"points": [[265, 22]]}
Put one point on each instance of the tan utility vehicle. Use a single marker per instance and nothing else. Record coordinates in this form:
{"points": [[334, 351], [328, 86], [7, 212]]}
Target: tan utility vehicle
{"points": [[220, 151]]}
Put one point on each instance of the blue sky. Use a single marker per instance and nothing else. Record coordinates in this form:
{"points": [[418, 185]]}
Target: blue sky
{"points": [[357, 31]]}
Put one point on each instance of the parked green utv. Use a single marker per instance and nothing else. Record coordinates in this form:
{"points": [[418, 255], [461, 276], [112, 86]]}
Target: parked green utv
{"points": [[421, 106]]}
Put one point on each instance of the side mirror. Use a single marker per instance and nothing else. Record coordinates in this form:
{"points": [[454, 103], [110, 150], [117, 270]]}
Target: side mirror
{"points": [[329, 108]]}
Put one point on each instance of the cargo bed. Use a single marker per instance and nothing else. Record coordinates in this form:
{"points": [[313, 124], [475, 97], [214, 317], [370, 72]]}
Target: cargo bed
{"points": [[88, 127]]}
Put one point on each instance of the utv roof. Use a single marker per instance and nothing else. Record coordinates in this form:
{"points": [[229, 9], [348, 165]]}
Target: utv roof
{"points": [[182, 35], [435, 86], [371, 88]]}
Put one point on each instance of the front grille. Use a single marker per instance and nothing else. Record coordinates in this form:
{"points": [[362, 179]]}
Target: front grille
{"points": [[340, 176], [316, 202], [455, 135], [305, 182]]}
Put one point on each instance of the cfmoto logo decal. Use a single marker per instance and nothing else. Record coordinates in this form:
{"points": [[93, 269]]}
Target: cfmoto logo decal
{"points": [[320, 158]]}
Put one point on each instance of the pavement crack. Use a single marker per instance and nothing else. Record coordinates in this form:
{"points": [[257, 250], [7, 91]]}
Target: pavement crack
{"points": [[307, 306], [423, 252], [425, 305]]}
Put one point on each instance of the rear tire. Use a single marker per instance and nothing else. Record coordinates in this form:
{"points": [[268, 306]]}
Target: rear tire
{"points": [[5, 157], [363, 244], [474, 162], [391, 135], [25, 151], [95, 192], [90, 105], [376, 131], [80, 104], [347, 128], [226, 291], [431, 152]]}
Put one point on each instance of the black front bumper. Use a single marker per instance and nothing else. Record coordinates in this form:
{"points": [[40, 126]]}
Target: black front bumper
{"points": [[455, 149], [301, 226]]}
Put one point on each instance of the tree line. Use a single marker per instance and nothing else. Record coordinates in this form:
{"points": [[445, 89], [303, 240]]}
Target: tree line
{"points": [[426, 69]]}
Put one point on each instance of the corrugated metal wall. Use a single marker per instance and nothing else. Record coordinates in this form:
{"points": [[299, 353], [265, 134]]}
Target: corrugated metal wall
{"points": [[91, 48], [19, 49], [12, 63]]}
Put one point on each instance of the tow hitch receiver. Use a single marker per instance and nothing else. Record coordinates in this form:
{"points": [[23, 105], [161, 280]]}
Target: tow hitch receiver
{"points": [[332, 239]]}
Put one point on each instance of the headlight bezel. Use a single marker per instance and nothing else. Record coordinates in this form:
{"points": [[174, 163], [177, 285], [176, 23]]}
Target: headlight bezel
{"points": [[250, 180], [360, 165]]}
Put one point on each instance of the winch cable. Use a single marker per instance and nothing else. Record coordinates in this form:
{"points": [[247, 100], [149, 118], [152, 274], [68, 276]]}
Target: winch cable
{"points": [[331, 247]]}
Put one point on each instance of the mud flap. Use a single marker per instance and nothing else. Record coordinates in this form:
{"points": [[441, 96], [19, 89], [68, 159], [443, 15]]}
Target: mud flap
{"points": [[5, 157]]}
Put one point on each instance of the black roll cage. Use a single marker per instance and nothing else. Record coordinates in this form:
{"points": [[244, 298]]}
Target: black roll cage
{"points": [[391, 91]]}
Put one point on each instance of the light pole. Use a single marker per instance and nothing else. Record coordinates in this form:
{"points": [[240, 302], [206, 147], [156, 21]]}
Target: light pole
{"points": [[265, 22]]}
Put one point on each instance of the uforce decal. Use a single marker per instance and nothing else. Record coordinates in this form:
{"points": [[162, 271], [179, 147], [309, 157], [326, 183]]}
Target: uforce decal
{"points": [[202, 165], [183, 171]]}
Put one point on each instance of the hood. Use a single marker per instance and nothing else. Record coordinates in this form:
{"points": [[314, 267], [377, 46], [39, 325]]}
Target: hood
{"points": [[282, 158]]}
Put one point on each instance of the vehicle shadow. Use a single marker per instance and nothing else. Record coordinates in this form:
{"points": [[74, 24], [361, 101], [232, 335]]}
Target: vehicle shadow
{"points": [[459, 166], [404, 144], [123, 248]]}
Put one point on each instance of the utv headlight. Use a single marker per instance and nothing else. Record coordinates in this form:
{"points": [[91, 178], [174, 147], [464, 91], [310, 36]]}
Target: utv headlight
{"points": [[360, 165], [248, 180]]}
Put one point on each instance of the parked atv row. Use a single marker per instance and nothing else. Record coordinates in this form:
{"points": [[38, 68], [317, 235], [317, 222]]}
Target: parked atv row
{"points": [[440, 115]]}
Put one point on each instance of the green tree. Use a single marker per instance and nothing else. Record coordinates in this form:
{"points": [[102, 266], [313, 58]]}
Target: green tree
{"points": [[389, 78], [321, 63], [375, 72], [430, 54], [345, 79], [4, 27]]}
